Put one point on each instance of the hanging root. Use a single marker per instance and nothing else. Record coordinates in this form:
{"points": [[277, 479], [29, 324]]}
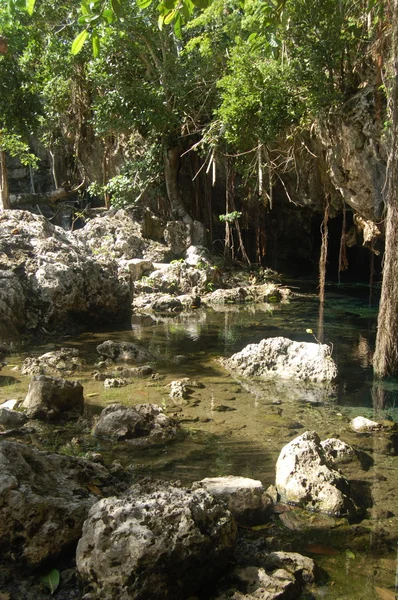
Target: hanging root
{"points": [[343, 261], [324, 252]]}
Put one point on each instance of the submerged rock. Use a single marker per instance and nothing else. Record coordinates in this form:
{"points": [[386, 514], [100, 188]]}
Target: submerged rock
{"points": [[283, 358], [64, 360], [44, 499], [306, 476], [141, 425], [48, 398], [257, 584], [158, 542], [245, 498]]}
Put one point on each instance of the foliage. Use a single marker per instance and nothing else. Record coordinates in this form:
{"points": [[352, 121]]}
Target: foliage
{"points": [[51, 580], [230, 217]]}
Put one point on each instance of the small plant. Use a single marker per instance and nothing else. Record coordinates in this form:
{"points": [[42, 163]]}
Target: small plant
{"points": [[230, 217], [313, 335], [51, 580]]}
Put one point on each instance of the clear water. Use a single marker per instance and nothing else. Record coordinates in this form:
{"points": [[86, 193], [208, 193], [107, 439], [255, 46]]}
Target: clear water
{"points": [[239, 427]]}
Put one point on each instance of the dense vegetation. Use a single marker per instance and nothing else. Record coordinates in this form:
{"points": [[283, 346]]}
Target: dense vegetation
{"points": [[126, 97]]}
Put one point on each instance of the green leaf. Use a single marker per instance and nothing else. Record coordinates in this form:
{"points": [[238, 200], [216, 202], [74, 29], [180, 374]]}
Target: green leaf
{"points": [[108, 15], [142, 4], [78, 42], [84, 8], [117, 8], [160, 22], [30, 6], [96, 44], [178, 27], [51, 580], [170, 16], [349, 554]]}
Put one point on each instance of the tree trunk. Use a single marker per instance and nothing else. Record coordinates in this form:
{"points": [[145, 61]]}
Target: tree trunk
{"points": [[4, 192], [171, 166], [385, 360]]}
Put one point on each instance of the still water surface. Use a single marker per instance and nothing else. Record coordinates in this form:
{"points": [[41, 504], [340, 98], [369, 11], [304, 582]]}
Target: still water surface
{"points": [[239, 427]]}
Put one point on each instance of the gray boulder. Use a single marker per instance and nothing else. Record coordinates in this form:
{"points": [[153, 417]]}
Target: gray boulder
{"points": [[11, 418], [55, 282], [62, 361], [141, 425], [158, 542], [257, 584], [115, 235], [49, 398], [12, 308], [283, 358], [307, 476], [245, 498], [124, 351], [44, 500]]}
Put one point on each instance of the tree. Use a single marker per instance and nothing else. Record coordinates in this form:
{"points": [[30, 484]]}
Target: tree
{"points": [[385, 360]]}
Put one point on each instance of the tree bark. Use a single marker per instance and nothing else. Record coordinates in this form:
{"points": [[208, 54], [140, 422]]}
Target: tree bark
{"points": [[385, 360], [4, 191], [171, 166]]}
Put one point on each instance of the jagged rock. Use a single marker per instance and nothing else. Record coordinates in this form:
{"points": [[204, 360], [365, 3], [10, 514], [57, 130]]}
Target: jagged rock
{"points": [[114, 235], [337, 449], [306, 476], [229, 296], [48, 398], [159, 541], [115, 382], [257, 584], [64, 360], [282, 358], [141, 425], [197, 256], [12, 418], [245, 498], [139, 267], [178, 389], [123, 351], [303, 568], [180, 236], [53, 278], [363, 425], [178, 278], [12, 307], [44, 499]]}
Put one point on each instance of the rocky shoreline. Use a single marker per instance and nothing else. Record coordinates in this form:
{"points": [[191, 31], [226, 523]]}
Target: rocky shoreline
{"points": [[102, 530]]}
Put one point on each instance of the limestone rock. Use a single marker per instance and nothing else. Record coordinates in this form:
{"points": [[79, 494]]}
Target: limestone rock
{"points": [[283, 358], [257, 584], [302, 567], [337, 449], [124, 351], [363, 425], [141, 425], [44, 500], [245, 498], [139, 267], [54, 278], [115, 382], [48, 398], [12, 308], [306, 476], [158, 542], [64, 360], [114, 235]]}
